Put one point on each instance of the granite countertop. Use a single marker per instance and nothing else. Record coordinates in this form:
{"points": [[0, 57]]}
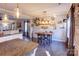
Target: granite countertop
{"points": [[9, 34]]}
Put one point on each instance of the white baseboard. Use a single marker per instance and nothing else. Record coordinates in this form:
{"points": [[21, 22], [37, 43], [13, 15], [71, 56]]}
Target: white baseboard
{"points": [[59, 40]]}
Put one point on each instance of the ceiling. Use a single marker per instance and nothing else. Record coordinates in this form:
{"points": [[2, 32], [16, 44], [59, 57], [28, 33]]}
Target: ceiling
{"points": [[29, 10]]}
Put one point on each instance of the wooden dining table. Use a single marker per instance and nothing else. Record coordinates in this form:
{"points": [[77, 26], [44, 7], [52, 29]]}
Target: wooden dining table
{"points": [[44, 33]]}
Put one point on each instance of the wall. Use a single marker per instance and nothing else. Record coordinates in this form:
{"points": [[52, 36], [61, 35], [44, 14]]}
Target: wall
{"points": [[59, 35], [76, 38]]}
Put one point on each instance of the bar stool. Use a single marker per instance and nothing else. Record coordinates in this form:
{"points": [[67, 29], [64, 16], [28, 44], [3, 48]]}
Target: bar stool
{"points": [[40, 39], [45, 40], [50, 38]]}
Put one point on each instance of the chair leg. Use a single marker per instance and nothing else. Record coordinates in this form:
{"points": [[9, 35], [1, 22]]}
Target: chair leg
{"points": [[34, 52]]}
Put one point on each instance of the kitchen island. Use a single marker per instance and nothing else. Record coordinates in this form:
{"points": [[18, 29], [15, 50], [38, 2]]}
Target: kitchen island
{"points": [[11, 37]]}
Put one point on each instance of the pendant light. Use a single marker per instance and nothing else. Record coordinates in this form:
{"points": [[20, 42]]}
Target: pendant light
{"points": [[46, 20], [5, 20], [17, 11]]}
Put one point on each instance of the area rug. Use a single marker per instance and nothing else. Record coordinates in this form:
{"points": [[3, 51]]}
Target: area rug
{"points": [[16, 47]]}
